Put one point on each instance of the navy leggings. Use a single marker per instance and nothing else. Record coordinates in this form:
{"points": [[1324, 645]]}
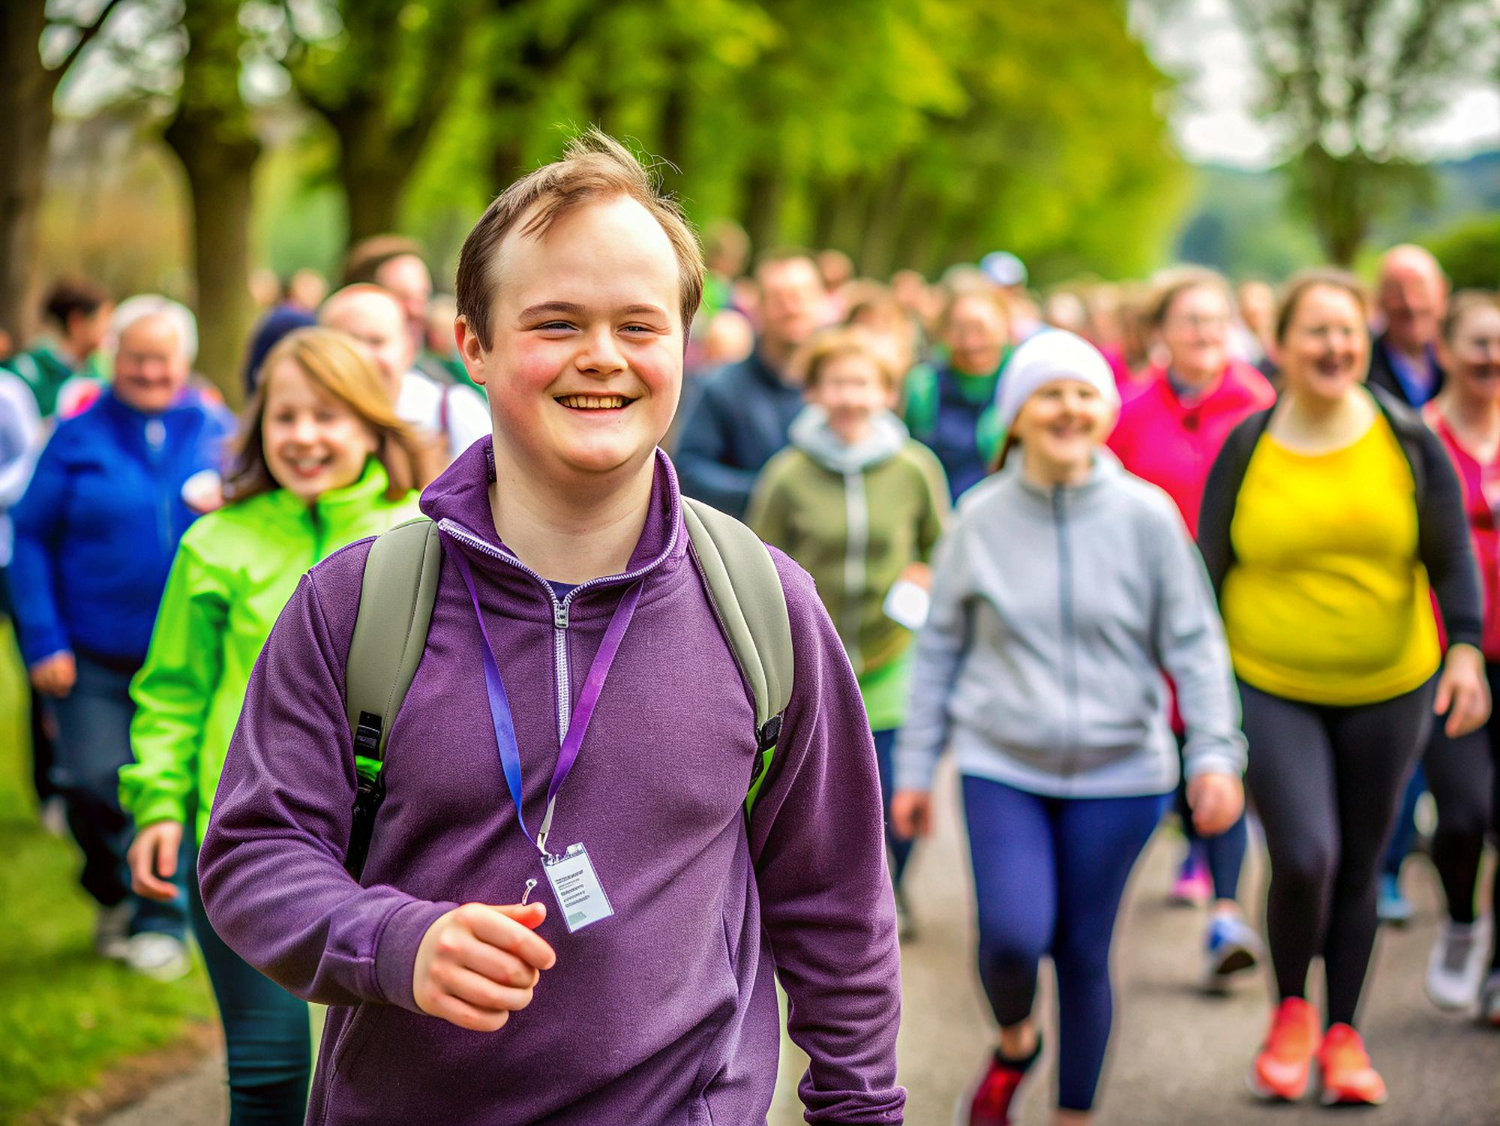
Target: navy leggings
{"points": [[1048, 877], [1224, 854], [899, 849], [266, 1033]]}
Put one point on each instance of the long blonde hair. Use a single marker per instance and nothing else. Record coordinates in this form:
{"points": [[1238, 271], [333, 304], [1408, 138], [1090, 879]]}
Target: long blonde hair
{"points": [[336, 365]]}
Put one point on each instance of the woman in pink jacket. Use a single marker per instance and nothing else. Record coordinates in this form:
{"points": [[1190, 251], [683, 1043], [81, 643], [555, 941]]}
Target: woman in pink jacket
{"points": [[1169, 433]]}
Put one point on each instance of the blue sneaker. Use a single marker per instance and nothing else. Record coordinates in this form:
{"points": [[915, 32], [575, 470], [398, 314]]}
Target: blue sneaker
{"points": [[1231, 947], [1391, 906]]}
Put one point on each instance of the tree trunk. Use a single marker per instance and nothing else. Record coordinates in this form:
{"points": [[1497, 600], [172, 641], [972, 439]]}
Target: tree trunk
{"points": [[26, 111], [762, 208], [211, 135], [374, 176], [877, 247], [219, 178]]}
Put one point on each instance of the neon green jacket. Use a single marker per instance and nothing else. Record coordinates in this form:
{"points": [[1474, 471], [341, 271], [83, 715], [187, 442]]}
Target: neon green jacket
{"points": [[234, 571]]}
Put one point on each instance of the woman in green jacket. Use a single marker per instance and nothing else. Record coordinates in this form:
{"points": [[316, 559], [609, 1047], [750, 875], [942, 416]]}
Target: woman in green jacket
{"points": [[324, 461], [860, 504]]}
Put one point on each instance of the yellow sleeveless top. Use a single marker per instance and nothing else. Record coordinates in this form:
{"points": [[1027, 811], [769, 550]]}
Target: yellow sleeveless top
{"points": [[1327, 601]]}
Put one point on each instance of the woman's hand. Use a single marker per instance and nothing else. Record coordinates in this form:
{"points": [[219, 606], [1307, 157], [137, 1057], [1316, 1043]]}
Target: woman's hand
{"points": [[911, 814], [55, 675], [478, 964], [153, 859], [1463, 693], [1217, 800]]}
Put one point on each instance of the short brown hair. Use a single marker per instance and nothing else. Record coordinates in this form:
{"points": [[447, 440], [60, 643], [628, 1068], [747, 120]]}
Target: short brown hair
{"points": [[367, 256], [1319, 277], [1464, 302], [343, 371], [986, 293], [70, 297], [594, 166], [1172, 284], [830, 344]]}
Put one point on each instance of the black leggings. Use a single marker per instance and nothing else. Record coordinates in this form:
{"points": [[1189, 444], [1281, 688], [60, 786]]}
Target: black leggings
{"points": [[1327, 782], [1464, 777]]}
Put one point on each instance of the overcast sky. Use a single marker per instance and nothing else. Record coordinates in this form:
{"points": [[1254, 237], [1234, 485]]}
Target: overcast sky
{"points": [[1213, 121]]}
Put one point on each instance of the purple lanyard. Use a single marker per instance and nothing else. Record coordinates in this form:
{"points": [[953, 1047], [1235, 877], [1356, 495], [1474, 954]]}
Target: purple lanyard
{"points": [[505, 728]]}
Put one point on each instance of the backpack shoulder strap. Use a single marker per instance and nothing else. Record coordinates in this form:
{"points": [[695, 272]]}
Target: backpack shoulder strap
{"points": [[390, 636], [747, 595]]}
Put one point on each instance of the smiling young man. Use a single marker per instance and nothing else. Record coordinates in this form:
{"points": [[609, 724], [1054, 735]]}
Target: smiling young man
{"points": [[572, 638]]}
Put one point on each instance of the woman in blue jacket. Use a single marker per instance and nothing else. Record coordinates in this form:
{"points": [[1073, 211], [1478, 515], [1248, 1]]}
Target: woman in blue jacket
{"points": [[95, 535]]}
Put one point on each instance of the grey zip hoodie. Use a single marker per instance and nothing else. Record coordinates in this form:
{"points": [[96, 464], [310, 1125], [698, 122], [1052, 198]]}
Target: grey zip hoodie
{"points": [[1053, 614]]}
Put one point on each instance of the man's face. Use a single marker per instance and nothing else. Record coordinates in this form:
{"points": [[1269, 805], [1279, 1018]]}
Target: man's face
{"points": [[584, 366], [793, 302], [407, 278], [1412, 300], [377, 322], [150, 367]]}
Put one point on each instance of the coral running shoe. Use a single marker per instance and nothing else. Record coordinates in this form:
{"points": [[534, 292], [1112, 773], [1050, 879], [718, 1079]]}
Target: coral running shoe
{"points": [[1348, 1078], [998, 1089], [1284, 1064]]}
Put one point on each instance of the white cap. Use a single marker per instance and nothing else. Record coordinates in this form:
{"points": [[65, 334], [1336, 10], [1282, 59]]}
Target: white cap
{"points": [[1003, 268], [1052, 354]]}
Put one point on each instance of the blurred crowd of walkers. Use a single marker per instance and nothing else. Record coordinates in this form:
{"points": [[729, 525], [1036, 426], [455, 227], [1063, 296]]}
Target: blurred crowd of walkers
{"points": [[1117, 547]]}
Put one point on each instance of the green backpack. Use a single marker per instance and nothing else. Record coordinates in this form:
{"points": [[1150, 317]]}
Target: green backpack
{"points": [[395, 610]]}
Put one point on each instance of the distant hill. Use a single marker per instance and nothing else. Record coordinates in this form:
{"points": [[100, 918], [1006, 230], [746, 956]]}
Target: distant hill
{"points": [[1239, 221]]}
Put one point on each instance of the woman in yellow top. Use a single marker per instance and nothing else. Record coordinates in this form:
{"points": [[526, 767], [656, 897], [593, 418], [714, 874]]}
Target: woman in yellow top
{"points": [[1328, 522]]}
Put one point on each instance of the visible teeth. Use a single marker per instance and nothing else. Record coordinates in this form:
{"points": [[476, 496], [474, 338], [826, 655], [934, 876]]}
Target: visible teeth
{"points": [[593, 402]]}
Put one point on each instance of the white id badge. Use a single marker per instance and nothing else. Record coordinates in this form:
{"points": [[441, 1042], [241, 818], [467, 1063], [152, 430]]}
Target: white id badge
{"points": [[576, 888], [907, 604]]}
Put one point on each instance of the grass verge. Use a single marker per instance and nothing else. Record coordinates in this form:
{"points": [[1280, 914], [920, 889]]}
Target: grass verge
{"points": [[65, 1015]]}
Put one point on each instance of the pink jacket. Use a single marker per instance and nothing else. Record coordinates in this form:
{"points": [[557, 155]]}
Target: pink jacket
{"points": [[1173, 444]]}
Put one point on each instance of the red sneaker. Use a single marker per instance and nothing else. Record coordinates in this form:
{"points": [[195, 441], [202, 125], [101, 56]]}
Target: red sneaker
{"points": [[1348, 1078], [997, 1090], [1284, 1063]]}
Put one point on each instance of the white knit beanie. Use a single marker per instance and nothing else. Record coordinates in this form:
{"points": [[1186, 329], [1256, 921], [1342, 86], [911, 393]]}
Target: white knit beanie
{"points": [[1051, 354]]}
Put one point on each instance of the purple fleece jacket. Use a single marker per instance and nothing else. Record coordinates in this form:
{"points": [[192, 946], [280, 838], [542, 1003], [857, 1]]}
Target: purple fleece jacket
{"points": [[664, 1013]]}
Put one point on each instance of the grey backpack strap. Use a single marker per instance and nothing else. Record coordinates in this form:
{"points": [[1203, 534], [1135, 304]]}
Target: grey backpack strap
{"points": [[746, 592], [390, 635]]}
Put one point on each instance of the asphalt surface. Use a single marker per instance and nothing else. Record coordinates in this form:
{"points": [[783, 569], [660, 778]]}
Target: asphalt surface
{"points": [[1177, 1056]]}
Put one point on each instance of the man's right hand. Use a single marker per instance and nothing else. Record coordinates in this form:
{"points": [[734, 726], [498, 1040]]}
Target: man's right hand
{"points": [[478, 964], [55, 675]]}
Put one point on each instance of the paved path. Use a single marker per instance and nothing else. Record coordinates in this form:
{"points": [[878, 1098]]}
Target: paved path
{"points": [[1178, 1057]]}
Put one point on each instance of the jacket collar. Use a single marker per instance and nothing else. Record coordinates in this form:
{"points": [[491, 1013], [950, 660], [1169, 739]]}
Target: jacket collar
{"points": [[1106, 468], [459, 501], [811, 434], [345, 505]]}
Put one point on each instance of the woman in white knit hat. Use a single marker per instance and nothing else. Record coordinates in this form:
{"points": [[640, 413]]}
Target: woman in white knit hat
{"points": [[1063, 589]]}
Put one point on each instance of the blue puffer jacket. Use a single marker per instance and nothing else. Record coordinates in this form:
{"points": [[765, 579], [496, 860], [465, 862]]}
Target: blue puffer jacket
{"points": [[99, 525], [739, 423]]}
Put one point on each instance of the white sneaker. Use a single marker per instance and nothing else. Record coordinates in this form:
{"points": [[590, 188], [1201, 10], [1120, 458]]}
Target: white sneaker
{"points": [[158, 956], [112, 930], [1456, 967]]}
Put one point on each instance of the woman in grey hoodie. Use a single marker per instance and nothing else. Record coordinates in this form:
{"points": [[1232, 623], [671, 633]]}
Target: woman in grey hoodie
{"points": [[1064, 589]]}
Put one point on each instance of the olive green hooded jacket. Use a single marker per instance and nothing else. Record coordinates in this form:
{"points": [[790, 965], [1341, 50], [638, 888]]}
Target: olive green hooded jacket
{"points": [[855, 517]]}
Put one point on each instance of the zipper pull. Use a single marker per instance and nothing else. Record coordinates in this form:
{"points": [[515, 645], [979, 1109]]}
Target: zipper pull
{"points": [[560, 615]]}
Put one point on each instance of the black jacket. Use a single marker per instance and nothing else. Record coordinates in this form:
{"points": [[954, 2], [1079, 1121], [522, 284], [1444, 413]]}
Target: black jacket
{"points": [[1383, 375], [740, 420], [1442, 527]]}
